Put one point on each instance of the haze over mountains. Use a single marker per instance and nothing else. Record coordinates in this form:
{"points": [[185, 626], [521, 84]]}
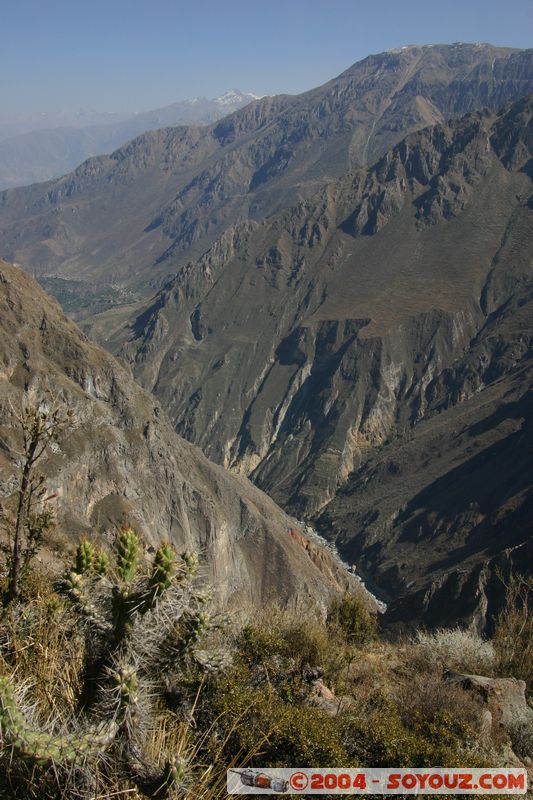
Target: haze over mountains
{"points": [[38, 147], [344, 305]]}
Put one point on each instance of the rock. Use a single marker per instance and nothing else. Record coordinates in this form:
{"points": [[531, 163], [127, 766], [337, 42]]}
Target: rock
{"points": [[384, 400], [326, 700], [338, 308], [321, 690], [505, 697], [311, 674], [507, 717], [175, 190]]}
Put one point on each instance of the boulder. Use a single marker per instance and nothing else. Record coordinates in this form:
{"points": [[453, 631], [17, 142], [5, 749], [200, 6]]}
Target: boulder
{"points": [[507, 717]]}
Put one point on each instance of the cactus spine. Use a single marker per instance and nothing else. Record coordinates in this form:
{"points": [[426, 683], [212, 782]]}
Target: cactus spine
{"points": [[101, 563], [84, 557]]}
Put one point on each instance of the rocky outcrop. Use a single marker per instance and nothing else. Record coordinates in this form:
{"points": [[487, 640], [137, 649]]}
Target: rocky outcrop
{"points": [[506, 713], [122, 462], [330, 350], [432, 516]]}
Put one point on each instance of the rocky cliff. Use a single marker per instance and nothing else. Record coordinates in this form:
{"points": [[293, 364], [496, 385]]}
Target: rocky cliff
{"points": [[436, 515], [122, 462], [386, 306]]}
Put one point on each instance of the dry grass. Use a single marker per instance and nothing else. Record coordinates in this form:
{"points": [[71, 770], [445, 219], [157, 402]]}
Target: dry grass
{"points": [[425, 696], [41, 654], [297, 638], [41, 650]]}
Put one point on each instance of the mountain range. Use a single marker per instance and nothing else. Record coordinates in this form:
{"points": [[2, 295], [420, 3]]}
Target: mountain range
{"points": [[42, 146], [342, 306], [121, 224]]}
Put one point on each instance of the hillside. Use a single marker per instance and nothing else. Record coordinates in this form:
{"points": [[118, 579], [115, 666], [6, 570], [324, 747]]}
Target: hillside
{"points": [[343, 310], [122, 462], [124, 222], [387, 305]]}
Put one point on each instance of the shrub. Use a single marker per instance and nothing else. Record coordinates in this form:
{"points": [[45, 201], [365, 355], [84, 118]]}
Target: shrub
{"points": [[457, 649], [513, 635], [261, 708], [381, 738], [261, 711], [426, 696], [28, 517], [352, 616], [259, 726], [293, 640]]}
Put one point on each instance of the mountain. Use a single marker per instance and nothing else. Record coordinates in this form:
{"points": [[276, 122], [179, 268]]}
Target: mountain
{"points": [[393, 305], [119, 225], [294, 344], [43, 146], [122, 462]]}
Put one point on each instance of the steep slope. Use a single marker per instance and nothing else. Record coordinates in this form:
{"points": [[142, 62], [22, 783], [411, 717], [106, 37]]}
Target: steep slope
{"points": [[47, 152], [295, 347], [434, 515], [123, 462], [135, 217]]}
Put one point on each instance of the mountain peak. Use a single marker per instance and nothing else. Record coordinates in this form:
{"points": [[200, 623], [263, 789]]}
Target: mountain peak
{"points": [[235, 96]]}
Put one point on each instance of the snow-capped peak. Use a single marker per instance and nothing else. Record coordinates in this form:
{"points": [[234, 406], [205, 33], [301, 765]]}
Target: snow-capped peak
{"points": [[233, 96]]}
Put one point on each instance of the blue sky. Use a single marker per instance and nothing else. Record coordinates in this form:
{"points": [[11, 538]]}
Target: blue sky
{"points": [[132, 55]]}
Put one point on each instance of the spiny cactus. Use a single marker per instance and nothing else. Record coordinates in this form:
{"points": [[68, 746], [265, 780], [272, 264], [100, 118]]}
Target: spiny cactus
{"points": [[128, 552], [88, 559], [163, 570], [101, 563], [195, 626], [61, 748], [190, 561], [85, 556], [74, 587], [141, 627]]}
